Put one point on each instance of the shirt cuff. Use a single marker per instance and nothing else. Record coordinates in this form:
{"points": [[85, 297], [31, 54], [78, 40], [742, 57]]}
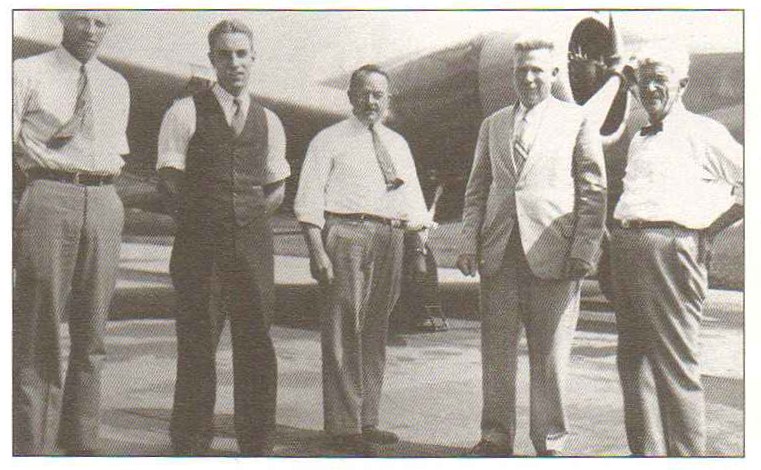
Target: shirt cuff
{"points": [[174, 160], [738, 194], [420, 221], [310, 218]]}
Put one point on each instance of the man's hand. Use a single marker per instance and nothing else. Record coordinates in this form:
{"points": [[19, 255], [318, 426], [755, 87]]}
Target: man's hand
{"points": [[274, 194], [320, 265], [321, 268], [576, 268], [468, 264]]}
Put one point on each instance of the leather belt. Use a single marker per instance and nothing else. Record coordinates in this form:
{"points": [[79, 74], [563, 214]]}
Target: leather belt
{"points": [[638, 224], [81, 178], [357, 216]]}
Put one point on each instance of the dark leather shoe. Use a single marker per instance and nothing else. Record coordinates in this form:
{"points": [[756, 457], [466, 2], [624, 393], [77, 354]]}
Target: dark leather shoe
{"points": [[376, 436], [490, 449], [352, 445]]}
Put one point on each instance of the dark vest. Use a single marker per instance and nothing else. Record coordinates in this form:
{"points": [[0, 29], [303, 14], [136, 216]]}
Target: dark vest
{"points": [[224, 173]]}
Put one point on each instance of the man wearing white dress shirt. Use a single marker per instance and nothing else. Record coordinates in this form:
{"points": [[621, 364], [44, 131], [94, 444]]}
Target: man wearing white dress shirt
{"points": [[683, 184], [532, 224], [70, 117], [358, 193], [222, 161]]}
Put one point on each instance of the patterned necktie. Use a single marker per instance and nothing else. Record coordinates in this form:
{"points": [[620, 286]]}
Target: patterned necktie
{"points": [[384, 161], [239, 119], [520, 148], [652, 129], [81, 121]]}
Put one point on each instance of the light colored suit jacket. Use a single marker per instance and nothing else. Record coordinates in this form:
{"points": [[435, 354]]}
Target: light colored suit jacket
{"points": [[558, 200]]}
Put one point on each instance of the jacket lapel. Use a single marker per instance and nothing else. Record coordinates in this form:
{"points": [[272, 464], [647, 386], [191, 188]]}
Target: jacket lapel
{"points": [[505, 141], [543, 135]]}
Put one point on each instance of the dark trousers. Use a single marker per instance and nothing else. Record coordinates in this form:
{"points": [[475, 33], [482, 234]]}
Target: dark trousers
{"points": [[660, 283], [239, 261], [367, 262], [67, 255]]}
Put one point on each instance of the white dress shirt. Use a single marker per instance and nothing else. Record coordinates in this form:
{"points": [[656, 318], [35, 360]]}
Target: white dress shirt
{"points": [[341, 175], [179, 125], [533, 120], [689, 173], [44, 97]]}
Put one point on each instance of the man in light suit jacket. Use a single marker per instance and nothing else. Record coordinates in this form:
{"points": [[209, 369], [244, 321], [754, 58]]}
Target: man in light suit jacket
{"points": [[532, 225]]}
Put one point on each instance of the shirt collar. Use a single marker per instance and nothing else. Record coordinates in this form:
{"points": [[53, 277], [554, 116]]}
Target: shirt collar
{"points": [[357, 124], [677, 112], [70, 63], [533, 113], [675, 115], [225, 99]]}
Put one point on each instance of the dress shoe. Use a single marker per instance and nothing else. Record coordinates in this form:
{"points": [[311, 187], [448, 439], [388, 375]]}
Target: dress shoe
{"points": [[352, 445], [376, 436], [490, 449]]}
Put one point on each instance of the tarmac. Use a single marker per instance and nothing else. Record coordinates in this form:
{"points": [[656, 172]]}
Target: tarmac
{"points": [[432, 389]]}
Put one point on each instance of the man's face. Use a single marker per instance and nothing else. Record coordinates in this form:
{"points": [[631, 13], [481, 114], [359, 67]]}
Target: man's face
{"points": [[534, 73], [659, 89], [83, 31], [232, 57], [370, 98]]}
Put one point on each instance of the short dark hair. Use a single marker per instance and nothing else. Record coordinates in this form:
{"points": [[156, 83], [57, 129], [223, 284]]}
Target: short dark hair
{"points": [[230, 26], [366, 69]]}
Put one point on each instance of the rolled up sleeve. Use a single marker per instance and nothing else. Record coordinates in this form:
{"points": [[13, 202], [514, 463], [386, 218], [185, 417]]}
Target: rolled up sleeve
{"points": [[309, 205], [177, 128], [277, 168]]}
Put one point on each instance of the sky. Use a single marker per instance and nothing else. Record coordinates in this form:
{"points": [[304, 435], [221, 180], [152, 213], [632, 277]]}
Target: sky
{"points": [[326, 44]]}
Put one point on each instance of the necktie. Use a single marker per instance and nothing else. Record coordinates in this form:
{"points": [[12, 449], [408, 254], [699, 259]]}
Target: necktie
{"points": [[81, 120], [384, 161], [520, 148], [652, 129], [239, 119]]}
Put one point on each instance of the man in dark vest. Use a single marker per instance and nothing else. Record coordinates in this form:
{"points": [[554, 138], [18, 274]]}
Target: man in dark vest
{"points": [[222, 162]]}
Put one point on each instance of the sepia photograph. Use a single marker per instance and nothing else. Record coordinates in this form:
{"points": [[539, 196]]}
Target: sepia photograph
{"points": [[483, 233]]}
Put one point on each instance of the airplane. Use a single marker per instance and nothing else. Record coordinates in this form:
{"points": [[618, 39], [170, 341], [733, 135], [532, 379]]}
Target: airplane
{"points": [[440, 98]]}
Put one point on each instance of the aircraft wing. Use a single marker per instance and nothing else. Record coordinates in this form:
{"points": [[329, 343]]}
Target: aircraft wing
{"points": [[440, 98]]}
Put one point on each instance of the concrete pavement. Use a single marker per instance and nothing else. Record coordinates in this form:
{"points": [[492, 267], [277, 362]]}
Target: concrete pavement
{"points": [[432, 390]]}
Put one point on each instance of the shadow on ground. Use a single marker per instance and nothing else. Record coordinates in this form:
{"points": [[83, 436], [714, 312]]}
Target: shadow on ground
{"points": [[288, 442]]}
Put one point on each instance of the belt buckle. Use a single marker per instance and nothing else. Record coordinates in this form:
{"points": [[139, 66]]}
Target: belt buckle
{"points": [[626, 224], [395, 223], [75, 178]]}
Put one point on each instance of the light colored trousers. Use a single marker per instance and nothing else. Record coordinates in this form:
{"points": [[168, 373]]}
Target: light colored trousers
{"points": [[367, 261], [660, 283], [511, 299], [67, 240]]}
